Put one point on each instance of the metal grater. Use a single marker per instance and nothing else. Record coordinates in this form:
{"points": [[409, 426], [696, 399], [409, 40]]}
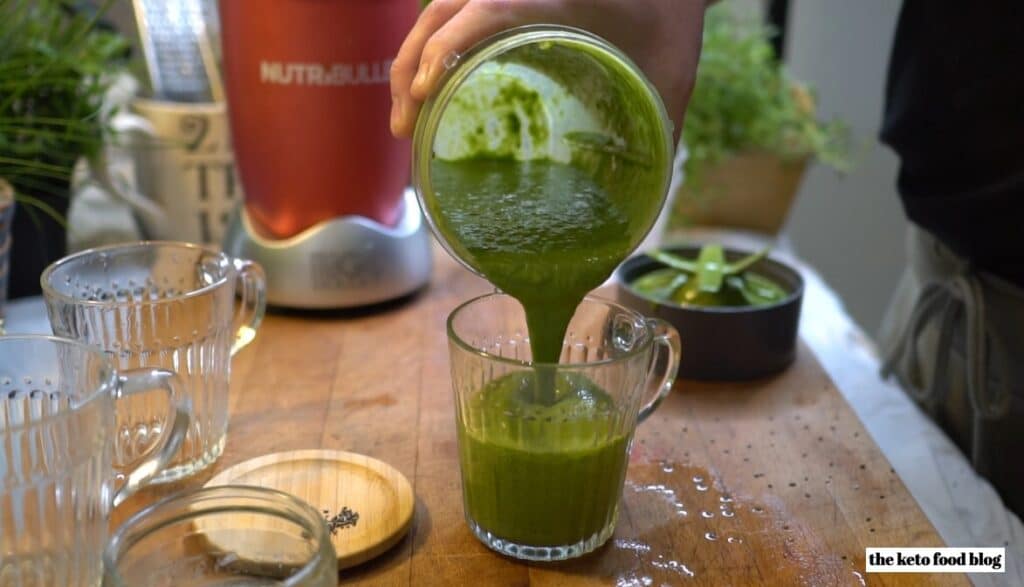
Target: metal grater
{"points": [[171, 36]]}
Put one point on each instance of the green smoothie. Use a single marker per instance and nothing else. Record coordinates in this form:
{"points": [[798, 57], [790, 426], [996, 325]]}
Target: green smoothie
{"points": [[542, 475]]}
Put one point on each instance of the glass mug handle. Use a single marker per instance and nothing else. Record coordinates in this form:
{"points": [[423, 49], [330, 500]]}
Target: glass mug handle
{"points": [[666, 340], [252, 283], [140, 133], [141, 381]]}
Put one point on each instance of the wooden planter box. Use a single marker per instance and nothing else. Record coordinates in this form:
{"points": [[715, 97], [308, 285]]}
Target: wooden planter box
{"points": [[753, 190]]}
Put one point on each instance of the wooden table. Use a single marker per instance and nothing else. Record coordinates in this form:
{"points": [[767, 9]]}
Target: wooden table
{"points": [[774, 481]]}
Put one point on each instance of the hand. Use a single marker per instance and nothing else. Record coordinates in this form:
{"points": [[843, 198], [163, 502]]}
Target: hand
{"points": [[662, 36]]}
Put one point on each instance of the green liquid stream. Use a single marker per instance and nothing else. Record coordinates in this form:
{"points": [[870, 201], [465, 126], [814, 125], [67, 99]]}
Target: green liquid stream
{"points": [[543, 232]]}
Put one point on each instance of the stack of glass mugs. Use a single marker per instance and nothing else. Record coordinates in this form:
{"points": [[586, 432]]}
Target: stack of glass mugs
{"points": [[135, 385]]}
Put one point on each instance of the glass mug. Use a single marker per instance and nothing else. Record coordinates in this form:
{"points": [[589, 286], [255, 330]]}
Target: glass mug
{"points": [[227, 535], [57, 456], [162, 304], [543, 448]]}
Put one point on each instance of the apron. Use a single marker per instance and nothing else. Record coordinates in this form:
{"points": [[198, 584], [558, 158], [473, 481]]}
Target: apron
{"points": [[954, 339]]}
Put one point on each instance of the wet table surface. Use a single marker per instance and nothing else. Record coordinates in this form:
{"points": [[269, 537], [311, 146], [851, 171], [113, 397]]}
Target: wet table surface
{"points": [[767, 482]]}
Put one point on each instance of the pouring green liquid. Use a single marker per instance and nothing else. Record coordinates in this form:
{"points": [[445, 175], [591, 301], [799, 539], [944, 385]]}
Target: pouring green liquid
{"points": [[549, 167], [543, 232], [544, 462]]}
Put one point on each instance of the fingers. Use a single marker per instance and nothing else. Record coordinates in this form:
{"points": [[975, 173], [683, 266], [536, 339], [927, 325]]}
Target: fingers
{"points": [[663, 36], [403, 106], [455, 28], [475, 22]]}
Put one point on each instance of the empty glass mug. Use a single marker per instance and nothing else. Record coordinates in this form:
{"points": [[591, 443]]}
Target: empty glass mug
{"points": [[162, 304], [57, 460], [221, 536], [543, 447]]}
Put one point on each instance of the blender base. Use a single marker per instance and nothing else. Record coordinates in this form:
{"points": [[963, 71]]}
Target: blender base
{"points": [[344, 262]]}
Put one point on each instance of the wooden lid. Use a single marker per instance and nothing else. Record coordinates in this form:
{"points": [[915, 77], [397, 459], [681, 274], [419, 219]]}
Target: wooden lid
{"points": [[367, 502]]}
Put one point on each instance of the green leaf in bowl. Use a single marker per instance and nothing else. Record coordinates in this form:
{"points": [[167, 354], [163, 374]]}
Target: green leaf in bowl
{"points": [[761, 291], [710, 268], [660, 284], [709, 280]]}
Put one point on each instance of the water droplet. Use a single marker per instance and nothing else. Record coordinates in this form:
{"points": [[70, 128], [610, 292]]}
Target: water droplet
{"points": [[698, 479], [726, 498], [672, 565], [711, 536], [707, 514], [728, 513], [667, 467], [701, 487], [632, 545], [734, 540]]}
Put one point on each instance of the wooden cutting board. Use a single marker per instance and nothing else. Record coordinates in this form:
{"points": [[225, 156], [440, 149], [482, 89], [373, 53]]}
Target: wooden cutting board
{"points": [[779, 481]]}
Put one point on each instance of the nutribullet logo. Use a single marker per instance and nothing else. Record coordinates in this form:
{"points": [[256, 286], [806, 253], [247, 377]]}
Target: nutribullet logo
{"points": [[325, 74]]}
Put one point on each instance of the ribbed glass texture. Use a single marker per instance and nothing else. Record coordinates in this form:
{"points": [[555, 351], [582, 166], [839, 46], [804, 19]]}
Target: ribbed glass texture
{"points": [[56, 417], [159, 305]]}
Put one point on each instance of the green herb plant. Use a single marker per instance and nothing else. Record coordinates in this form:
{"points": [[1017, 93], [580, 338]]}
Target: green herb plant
{"points": [[708, 280], [55, 66], [744, 100]]}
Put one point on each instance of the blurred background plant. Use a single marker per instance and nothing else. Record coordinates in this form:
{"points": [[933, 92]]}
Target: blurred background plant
{"points": [[747, 110], [56, 63]]}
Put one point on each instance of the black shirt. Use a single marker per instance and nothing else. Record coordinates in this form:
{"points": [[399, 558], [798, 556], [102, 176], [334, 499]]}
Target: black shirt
{"points": [[955, 116]]}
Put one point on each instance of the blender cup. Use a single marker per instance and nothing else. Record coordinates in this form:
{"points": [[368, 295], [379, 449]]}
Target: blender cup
{"points": [[548, 92]]}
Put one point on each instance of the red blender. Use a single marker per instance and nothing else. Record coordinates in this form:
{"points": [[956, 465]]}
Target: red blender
{"points": [[327, 211]]}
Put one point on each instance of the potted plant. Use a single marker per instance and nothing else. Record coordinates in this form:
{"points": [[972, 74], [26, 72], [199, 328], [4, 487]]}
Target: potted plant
{"points": [[750, 130], [55, 66]]}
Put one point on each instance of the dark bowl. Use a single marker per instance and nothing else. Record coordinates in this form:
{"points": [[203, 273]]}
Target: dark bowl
{"points": [[724, 343]]}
